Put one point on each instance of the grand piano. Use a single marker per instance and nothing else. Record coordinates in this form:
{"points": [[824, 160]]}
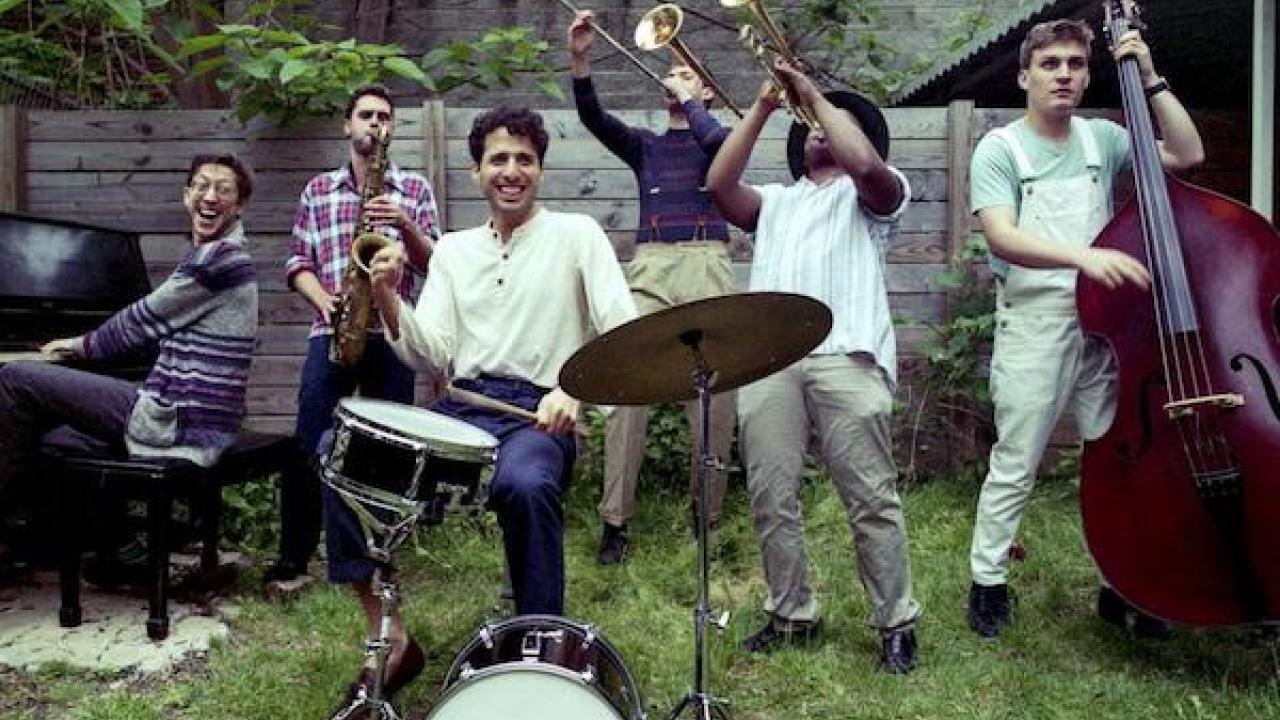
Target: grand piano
{"points": [[61, 279]]}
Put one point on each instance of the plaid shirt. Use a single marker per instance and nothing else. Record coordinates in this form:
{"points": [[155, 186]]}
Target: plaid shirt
{"points": [[325, 225]]}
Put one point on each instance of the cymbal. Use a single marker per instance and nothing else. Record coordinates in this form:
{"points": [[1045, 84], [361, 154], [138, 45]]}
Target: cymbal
{"points": [[741, 337]]}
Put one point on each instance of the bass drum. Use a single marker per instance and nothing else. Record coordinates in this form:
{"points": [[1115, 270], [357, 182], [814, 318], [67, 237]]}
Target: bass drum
{"points": [[538, 667]]}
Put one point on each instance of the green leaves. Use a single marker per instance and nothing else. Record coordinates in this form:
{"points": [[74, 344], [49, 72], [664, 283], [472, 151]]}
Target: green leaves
{"points": [[405, 68], [128, 13], [104, 53], [97, 53], [281, 74], [493, 60]]}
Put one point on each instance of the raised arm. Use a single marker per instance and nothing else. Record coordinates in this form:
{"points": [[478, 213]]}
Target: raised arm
{"points": [[1180, 147], [616, 135], [738, 201]]}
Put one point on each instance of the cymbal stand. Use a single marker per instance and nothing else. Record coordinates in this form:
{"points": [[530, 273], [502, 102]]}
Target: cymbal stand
{"points": [[704, 705]]}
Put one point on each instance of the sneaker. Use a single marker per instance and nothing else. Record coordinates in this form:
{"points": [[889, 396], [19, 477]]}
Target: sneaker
{"points": [[613, 545], [898, 651], [770, 637], [989, 609], [1116, 610]]}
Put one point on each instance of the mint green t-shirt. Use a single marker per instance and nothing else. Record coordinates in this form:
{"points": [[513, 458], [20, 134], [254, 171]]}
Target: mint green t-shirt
{"points": [[993, 172]]}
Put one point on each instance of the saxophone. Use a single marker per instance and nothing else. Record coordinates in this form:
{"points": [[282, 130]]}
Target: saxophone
{"points": [[355, 305]]}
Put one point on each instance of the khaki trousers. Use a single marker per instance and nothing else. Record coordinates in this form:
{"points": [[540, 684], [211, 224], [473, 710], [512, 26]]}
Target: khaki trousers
{"points": [[660, 276], [844, 401]]}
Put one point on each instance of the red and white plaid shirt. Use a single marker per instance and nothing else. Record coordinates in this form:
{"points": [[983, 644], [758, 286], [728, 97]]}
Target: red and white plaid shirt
{"points": [[325, 225]]}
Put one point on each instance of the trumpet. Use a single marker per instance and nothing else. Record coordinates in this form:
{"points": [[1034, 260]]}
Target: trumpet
{"points": [[659, 28], [778, 43]]}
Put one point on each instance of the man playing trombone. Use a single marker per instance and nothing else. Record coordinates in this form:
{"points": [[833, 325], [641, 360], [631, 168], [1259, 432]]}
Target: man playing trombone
{"points": [[825, 236], [681, 255]]}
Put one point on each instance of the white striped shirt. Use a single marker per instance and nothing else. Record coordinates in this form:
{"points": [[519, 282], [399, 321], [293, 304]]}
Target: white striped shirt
{"points": [[817, 240]]}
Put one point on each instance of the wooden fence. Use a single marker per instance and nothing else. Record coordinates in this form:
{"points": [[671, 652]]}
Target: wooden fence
{"points": [[126, 169]]}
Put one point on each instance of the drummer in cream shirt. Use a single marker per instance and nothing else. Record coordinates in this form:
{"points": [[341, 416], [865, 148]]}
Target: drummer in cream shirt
{"points": [[504, 306]]}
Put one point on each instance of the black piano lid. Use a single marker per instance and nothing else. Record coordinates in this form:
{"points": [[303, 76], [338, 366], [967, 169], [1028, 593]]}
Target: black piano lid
{"points": [[61, 265], [62, 279]]}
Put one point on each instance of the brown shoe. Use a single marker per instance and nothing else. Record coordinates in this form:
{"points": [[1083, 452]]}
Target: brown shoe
{"points": [[412, 661]]}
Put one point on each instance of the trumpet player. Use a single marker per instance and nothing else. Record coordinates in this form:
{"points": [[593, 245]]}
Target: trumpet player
{"points": [[333, 207], [824, 236], [682, 255]]}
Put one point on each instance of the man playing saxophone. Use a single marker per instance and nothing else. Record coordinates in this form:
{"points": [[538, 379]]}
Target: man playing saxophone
{"points": [[334, 208]]}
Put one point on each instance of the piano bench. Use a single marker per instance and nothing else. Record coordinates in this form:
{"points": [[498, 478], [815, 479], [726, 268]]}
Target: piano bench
{"points": [[160, 482]]}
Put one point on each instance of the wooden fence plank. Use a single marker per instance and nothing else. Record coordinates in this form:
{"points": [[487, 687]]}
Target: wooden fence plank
{"points": [[12, 157]]}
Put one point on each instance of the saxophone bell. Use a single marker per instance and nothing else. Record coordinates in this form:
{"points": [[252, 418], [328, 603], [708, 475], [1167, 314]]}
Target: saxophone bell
{"points": [[365, 247]]}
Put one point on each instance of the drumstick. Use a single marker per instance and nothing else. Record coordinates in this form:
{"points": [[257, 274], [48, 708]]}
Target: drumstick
{"points": [[484, 401]]}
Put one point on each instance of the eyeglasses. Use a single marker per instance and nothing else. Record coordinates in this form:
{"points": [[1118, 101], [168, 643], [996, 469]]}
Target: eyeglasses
{"points": [[224, 191]]}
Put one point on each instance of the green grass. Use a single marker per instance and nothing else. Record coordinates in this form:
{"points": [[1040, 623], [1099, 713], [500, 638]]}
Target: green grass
{"points": [[1056, 661]]}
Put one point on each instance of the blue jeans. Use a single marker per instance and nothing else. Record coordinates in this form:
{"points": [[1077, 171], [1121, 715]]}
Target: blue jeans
{"points": [[380, 375], [530, 479]]}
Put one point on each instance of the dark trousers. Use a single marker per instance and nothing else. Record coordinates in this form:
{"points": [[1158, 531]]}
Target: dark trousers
{"points": [[379, 375], [61, 407], [530, 479]]}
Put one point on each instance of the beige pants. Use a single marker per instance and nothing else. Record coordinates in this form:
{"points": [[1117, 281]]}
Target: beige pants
{"points": [[660, 276], [844, 400]]}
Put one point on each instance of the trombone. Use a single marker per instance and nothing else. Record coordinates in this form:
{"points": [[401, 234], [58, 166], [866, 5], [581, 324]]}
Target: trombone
{"points": [[779, 45], [656, 29], [659, 28], [617, 45]]}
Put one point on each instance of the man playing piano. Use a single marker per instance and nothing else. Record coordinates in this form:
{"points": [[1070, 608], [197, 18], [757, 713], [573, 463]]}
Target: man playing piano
{"points": [[203, 320]]}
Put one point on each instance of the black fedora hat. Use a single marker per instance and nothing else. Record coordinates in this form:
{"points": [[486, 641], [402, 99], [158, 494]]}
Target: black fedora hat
{"points": [[867, 114]]}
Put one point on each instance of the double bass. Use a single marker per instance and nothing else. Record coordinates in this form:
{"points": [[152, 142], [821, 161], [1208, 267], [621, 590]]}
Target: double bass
{"points": [[1180, 498]]}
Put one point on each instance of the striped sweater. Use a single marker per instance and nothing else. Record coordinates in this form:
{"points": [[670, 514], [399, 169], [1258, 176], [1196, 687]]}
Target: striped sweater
{"points": [[204, 318]]}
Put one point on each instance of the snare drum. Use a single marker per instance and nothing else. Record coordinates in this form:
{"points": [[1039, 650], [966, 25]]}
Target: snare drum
{"points": [[408, 460], [538, 667]]}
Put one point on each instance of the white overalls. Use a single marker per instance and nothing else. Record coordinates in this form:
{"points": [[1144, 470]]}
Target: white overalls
{"points": [[1041, 363]]}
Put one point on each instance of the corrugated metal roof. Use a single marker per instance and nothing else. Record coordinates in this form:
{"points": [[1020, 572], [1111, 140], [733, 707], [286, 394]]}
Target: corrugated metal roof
{"points": [[1203, 48], [1011, 23]]}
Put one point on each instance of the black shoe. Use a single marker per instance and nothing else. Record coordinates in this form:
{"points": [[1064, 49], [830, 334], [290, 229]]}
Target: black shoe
{"points": [[284, 571], [898, 652], [1117, 611], [989, 609], [285, 581], [613, 545], [770, 638]]}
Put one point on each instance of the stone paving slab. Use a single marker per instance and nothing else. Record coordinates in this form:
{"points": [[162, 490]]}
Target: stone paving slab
{"points": [[113, 636]]}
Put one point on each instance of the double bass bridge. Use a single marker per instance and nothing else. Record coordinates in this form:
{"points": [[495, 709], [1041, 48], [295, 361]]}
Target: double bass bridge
{"points": [[1188, 407]]}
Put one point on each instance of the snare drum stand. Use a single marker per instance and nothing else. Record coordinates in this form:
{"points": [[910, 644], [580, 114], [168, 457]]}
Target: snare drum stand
{"points": [[705, 706], [377, 707], [381, 540]]}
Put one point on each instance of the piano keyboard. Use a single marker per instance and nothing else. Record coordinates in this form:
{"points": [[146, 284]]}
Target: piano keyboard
{"points": [[34, 355]]}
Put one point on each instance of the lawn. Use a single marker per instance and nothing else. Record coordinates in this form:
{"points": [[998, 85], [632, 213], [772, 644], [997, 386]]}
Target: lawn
{"points": [[1057, 661]]}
